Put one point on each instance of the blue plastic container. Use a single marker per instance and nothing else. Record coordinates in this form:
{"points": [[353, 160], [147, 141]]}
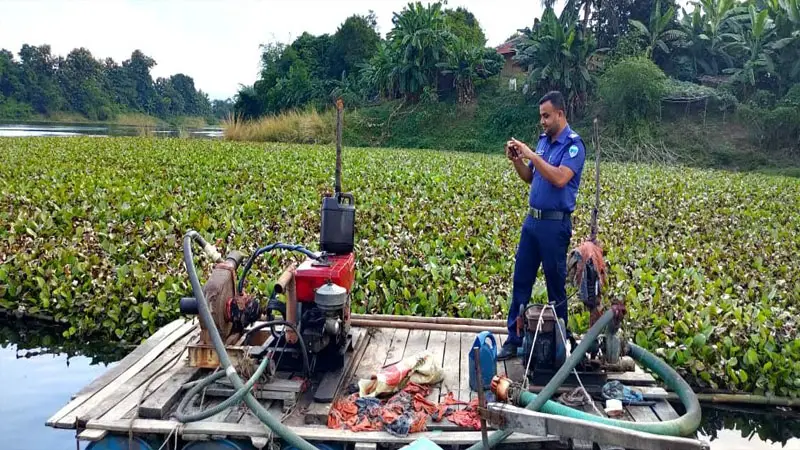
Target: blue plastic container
{"points": [[117, 442], [487, 359]]}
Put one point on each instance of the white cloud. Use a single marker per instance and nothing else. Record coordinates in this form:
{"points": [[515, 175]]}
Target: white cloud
{"points": [[214, 42]]}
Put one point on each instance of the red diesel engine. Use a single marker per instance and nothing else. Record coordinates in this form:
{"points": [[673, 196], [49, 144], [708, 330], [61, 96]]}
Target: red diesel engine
{"points": [[323, 306]]}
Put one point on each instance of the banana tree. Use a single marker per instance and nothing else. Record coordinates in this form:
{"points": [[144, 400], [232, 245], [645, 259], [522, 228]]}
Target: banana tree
{"points": [[786, 14], [758, 41], [706, 30], [557, 53], [467, 63], [658, 33], [420, 38]]}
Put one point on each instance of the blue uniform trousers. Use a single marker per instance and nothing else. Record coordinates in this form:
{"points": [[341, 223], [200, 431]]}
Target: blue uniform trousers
{"points": [[545, 243]]}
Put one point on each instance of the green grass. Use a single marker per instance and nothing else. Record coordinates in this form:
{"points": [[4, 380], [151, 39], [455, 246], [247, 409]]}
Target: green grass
{"points": [[706, 260]]}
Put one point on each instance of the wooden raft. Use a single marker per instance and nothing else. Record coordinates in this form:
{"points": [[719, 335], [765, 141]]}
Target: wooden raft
{"points": [[141, 391]]}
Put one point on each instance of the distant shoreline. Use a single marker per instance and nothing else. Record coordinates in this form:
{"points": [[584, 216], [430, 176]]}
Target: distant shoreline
{"points": [[129, 120]]}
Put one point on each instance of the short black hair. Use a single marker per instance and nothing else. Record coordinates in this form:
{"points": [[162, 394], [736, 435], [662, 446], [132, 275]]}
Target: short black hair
{"points": [[554, 97]]}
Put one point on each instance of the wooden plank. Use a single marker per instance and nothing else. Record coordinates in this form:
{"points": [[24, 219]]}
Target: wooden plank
{"points": [[642, 413], [249, 419], [67, 416], [518, 419], [141, 378], [260, 394], [467, 339], [130, 359], [159, 403], [632, 378], [129, 404], [311, 433], [331, 381], [277, 384], [436, 343], [665, 411], [397, 347], [417, 342], [452, 364], [374, 357]]}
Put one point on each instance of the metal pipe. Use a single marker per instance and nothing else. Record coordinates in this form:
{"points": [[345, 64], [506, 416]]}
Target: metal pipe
{"points": [[424, 326], [286, 285], [441, 320]]}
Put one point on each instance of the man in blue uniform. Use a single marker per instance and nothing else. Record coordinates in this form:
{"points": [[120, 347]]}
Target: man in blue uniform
{"points": [[554, 173]]}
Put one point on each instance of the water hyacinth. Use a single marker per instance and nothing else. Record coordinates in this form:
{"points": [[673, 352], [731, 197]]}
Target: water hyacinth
{"points": [[706, 261]]}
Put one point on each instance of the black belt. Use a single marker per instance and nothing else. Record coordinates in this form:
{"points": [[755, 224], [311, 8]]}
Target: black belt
{"points": [[547, 215]]}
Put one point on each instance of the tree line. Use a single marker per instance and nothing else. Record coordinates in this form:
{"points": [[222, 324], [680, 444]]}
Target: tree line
{"points": [[430, 51], [735, 52], [39, 82]]}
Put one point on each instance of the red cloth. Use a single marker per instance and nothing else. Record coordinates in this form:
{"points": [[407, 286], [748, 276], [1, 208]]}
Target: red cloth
{"points": [[467, 417], [408, 404]]}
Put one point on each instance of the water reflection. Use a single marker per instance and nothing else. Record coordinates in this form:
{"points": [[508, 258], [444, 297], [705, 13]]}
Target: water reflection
{"points": [[65, 130], [39, 373], [750, 428]]}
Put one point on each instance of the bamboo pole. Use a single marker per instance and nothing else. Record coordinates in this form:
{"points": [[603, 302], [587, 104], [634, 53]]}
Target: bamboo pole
{"points": [[748, 399], [440, 320], [425, 326]]}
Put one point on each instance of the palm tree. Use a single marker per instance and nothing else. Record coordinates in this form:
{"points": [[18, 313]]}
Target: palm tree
{"points": [[657, 33]]}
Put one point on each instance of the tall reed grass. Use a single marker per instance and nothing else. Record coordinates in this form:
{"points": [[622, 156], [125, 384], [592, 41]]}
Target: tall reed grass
{"points": [[302, 127]]}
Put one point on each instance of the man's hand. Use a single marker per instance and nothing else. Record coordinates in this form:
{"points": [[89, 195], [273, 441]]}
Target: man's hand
{"points": [[522, 149], [515, 153], [512, 153]]}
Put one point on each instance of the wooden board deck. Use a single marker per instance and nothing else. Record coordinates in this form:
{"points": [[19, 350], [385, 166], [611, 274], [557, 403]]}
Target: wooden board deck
{"points": [[141, 392]]}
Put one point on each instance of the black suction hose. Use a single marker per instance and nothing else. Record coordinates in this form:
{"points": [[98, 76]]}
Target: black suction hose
{"points": [[269, 248]]}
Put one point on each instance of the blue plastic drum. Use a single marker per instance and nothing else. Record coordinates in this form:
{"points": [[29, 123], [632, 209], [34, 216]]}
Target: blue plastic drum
{"points": [[117, 442], [220, 444]]}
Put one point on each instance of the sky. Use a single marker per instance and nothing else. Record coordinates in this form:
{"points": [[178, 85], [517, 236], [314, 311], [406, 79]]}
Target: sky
{"points": [[214, 42]]}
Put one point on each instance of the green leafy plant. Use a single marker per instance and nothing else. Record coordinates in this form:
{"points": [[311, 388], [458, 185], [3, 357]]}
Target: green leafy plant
{"points": [[631, 92], [706, 261]]}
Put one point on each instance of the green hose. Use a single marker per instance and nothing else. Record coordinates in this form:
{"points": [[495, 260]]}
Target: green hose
{"points": [[230, 401], [683, 426], [266, 418]]}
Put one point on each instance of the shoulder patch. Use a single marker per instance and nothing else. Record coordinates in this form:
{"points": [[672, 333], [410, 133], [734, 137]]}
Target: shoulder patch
{"points": [[543, 135], [573, 150], [573, 135]]}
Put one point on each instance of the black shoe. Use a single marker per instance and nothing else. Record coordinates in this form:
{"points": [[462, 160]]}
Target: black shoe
{"points": [[507, 351]]}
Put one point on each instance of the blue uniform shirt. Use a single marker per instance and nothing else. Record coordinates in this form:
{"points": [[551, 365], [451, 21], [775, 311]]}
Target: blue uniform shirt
{"points": [[567, 150]]}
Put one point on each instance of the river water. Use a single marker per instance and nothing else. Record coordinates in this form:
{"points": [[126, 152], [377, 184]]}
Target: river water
{"points": [[50, 129], [38, 374]]}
